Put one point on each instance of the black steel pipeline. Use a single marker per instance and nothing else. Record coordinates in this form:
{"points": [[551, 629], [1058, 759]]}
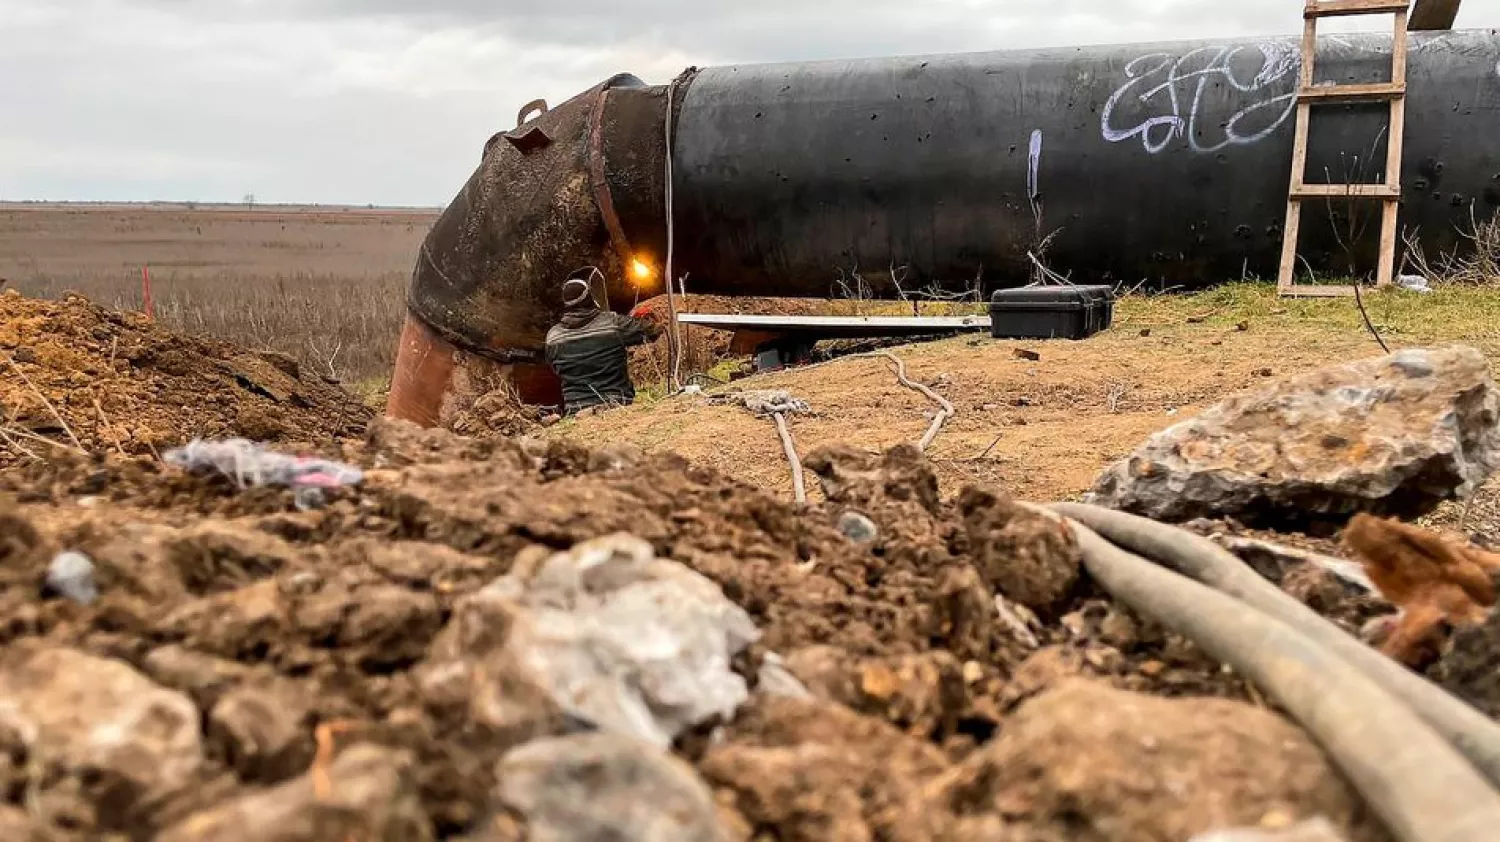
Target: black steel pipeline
{"points": [[1159, 162], [1168, 162]]}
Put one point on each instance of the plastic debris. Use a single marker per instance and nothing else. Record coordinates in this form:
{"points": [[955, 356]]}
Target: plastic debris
{"points": [[1415, 283], [71, 575], [250, 464]]}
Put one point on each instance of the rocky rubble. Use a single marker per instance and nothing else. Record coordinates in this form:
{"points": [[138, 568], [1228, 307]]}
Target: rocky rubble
{"points": [[1391, 435], [506, 640], [107, 741]]}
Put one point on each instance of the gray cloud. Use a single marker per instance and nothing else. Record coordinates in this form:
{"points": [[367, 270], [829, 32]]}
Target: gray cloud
{"points": [[389, 101]]}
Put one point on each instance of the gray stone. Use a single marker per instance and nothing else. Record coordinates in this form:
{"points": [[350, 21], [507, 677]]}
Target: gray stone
{"points": [[600, 786], [605, 633], [81, 716], [1392, 435], [858, 528], [71, 575], [367, 793]]}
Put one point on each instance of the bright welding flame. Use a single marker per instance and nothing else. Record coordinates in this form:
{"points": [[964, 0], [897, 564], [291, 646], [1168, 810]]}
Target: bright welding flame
{"points": [[641, 271]]}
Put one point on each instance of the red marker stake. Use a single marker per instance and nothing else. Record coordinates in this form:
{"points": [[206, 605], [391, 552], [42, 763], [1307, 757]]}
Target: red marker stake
{"points": [[146, 293]]}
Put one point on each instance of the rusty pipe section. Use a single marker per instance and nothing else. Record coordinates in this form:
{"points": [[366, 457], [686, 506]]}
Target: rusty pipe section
{"points": [[1167, 163], [545, 204]]}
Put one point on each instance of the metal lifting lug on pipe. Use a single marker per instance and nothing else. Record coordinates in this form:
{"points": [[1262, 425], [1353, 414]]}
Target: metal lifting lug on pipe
{"points": [[1165, 162]]}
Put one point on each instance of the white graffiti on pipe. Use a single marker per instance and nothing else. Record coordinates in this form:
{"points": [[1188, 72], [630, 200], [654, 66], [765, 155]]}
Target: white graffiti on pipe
{"points": [[1163, 98], [1033, 175]]}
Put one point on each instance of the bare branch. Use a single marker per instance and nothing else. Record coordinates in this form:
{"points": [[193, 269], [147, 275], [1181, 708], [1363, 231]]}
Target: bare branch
{"points": [[947, 411], [799, 487], [43, 399], [1359, 301]]}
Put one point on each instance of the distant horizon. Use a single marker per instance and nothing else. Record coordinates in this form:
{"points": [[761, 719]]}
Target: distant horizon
{"points": [[391, 103], [193, 204]]}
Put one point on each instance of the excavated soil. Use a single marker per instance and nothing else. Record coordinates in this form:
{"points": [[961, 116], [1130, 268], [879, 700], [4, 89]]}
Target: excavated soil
{"points": [[265, 658], [273, 621], [116, 381]]}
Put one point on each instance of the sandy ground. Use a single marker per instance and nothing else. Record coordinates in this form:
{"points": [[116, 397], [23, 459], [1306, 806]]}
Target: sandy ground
{"points": [[1042, 429]]}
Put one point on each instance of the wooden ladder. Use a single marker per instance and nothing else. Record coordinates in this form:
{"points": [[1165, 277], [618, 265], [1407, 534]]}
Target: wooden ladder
{"points": [[1308, 95]]}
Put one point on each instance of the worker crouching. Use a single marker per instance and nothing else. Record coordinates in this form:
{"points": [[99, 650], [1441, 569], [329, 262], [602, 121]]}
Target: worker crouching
{"points": [[587, 349]]}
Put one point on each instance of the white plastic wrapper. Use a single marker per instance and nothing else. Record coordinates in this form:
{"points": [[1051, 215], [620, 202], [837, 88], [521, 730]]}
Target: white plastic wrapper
{"points": [[250, 464]]}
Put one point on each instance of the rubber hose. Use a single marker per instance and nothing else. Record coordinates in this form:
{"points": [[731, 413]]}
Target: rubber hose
{"points": [[1470, 731], [1418, 784]]}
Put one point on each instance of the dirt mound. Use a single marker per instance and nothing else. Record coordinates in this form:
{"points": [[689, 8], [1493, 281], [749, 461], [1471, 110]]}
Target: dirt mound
{"points": [[306, 643], [497, 413], [118, 382], [1149, 769]]}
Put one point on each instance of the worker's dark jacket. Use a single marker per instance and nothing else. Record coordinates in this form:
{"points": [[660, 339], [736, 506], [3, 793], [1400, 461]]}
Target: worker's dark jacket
{"points": [[587, 350]]}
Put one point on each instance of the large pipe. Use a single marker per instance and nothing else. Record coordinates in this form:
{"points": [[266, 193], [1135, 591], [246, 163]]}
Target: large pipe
{"points": [[1161, 162]]}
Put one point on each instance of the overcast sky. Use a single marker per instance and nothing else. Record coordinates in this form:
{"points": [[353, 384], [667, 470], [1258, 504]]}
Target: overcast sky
{"points": [[368, 101]]}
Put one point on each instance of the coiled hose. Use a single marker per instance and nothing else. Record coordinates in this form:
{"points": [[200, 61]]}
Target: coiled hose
{"points": [[1419, 784], [1471, 732]]}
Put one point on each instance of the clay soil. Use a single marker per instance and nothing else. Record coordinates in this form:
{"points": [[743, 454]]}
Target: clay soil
{"points": [[1046, 428], [75, 374], [931, 715], [213, 591]]}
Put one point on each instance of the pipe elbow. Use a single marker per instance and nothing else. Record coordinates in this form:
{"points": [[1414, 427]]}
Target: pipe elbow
{"points": [[539, 209]]}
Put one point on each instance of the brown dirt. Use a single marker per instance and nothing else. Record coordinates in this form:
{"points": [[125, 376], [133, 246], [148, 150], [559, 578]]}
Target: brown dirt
{"points": [[1059, 421], [1042, 429], [497, 413], [298, 637], [274, 621], [1065, 770], [119, 382]]}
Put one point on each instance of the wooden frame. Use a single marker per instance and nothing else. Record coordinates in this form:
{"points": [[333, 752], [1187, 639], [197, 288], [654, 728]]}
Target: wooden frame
{"points": [[1308, 95]]}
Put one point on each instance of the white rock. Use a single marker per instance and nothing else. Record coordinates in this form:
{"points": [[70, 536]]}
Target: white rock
{"points": [[606, 633]]}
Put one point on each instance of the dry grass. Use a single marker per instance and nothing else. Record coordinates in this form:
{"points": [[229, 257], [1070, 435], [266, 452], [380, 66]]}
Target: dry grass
{"points": [[325, 286], [1479, 265], [341, 326], [1449, 313]]}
